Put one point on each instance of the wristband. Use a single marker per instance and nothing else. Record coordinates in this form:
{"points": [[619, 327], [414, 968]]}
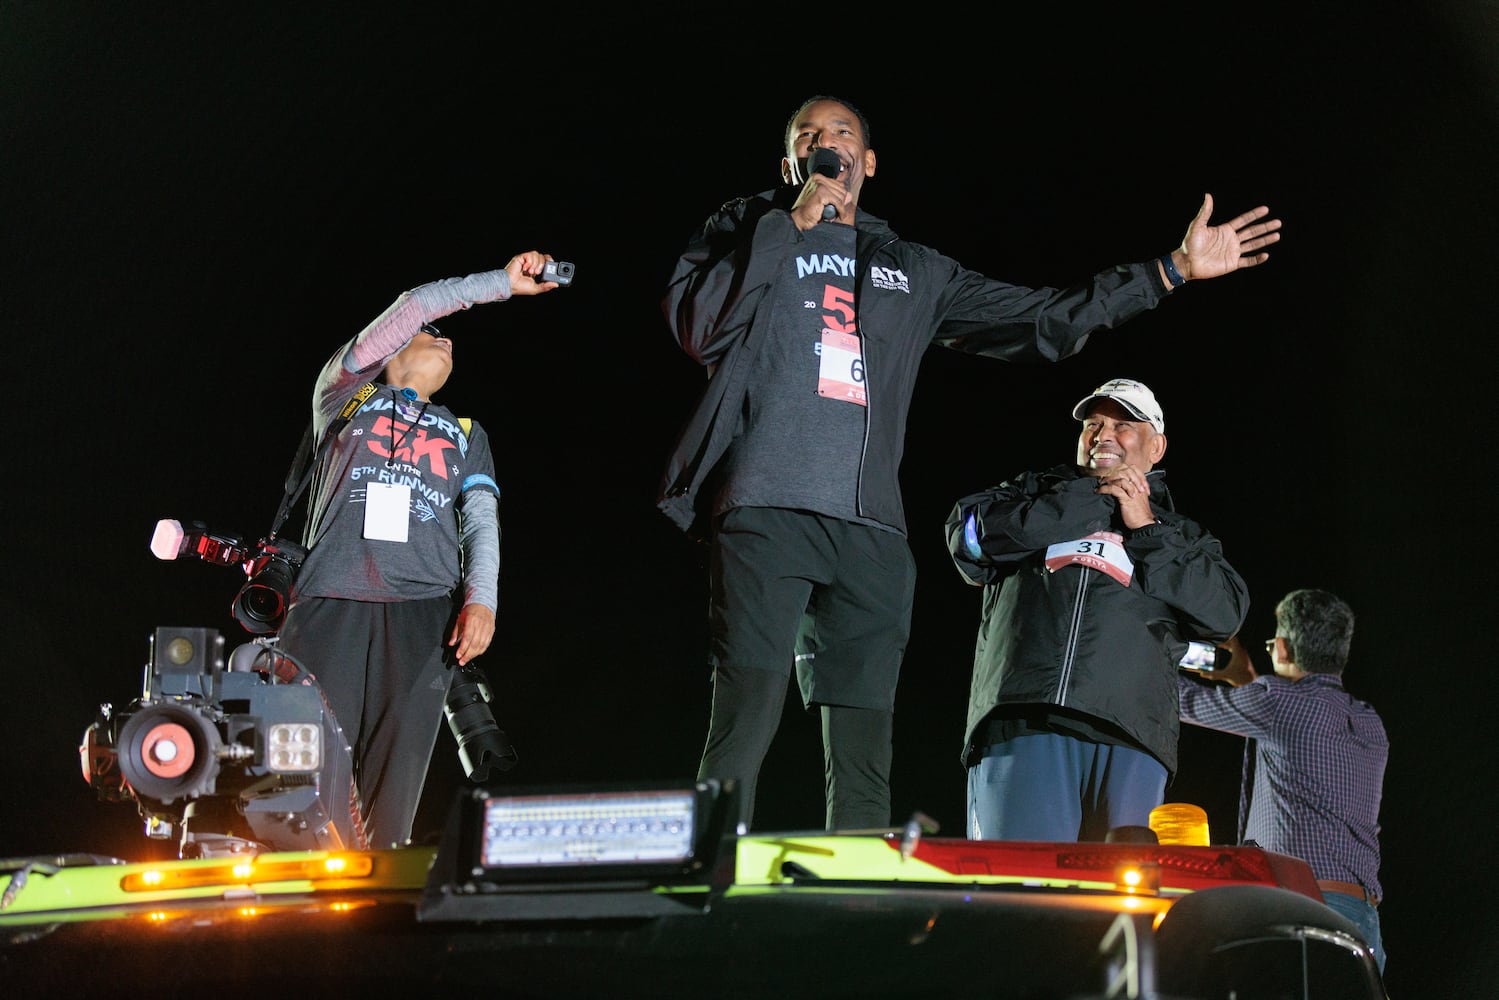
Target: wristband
{"points": [[1172, 274]]}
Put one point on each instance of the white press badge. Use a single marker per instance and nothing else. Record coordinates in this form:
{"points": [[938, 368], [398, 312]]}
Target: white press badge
{"points": [[1102, 550], [840, 374], [387, 511]]}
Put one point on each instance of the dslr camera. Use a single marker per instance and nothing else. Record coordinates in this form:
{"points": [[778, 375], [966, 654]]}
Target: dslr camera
{"points": [[270, 566]]}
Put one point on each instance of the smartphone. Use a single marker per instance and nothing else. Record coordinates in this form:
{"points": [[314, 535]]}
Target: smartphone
{"points": [[1205, 656], [560, 271]]}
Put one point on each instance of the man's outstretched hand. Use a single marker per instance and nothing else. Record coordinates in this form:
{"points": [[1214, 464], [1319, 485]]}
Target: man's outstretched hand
{"points": [[1209, 251]]}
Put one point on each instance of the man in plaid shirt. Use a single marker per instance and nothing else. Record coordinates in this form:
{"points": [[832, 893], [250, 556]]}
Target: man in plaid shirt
{"points": [[1314, 760]]}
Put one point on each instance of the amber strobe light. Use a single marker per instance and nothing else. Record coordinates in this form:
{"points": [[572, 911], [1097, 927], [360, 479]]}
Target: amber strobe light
{"points": [[1180, 823]]}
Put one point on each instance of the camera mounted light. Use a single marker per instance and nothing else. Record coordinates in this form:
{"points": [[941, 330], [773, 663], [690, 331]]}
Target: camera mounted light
{"points": [[185, 662], [293, 747], [170, 540]]}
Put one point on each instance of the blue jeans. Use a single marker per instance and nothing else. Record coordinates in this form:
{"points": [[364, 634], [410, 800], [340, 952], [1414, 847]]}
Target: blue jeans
{"points": [[1043, 786], [1362, 914]]}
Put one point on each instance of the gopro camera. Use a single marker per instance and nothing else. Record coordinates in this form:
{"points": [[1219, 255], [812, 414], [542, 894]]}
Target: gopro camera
{"points": [[560, 271]]}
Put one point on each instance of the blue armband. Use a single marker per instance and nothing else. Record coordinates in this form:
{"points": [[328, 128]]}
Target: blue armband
{"points": [[479, 479]]}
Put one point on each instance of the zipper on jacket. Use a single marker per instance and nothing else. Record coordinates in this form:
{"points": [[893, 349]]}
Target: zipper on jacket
{"points": [[868, 395], [1069, 649]]}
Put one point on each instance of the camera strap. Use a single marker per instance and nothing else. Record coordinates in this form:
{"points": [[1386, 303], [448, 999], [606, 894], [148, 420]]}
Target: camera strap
{"points": [[305, 462]]}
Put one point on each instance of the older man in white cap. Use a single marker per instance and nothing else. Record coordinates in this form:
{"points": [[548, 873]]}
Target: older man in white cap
{"points": [[1093, 584]]}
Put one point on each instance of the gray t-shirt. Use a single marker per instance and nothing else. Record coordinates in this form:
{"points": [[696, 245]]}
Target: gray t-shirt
{"points": [[804, 412], [404, 444]]}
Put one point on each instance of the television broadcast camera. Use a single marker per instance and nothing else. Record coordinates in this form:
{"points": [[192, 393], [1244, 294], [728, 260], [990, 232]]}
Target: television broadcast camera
{"points": [[234, 760], [250, 757]]}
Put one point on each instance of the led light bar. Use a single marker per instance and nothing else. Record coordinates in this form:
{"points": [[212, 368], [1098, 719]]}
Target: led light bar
{"points": [[560, 853], [315, 868], [589, 828]]}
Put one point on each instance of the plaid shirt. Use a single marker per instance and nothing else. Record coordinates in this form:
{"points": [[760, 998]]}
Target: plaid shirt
{"points": [[1314, 765]]}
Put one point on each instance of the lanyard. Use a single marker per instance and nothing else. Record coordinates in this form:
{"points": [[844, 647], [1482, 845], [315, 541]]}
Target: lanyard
{"points": [[409, 395]]}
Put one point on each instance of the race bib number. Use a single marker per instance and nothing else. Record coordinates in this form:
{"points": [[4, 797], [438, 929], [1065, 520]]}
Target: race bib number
{"points": [[1102, 550], [841, 372], [387, 509]]}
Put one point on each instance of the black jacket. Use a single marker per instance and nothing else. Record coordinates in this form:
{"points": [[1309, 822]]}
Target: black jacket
{"points": [[1073, 637], [908, 297]]}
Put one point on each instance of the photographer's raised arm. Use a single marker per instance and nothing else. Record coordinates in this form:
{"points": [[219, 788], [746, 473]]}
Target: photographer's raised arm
{"points": [[389, 333]]}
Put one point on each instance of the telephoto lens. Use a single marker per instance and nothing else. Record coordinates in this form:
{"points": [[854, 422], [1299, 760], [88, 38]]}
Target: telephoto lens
{"points": [[482, 744]]}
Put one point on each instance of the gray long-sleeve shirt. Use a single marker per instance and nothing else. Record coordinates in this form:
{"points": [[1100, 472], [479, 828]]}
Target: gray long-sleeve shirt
{"points": [[447, 466]]}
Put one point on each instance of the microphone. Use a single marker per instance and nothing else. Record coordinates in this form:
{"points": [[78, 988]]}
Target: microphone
{"points": [[825, 162]]}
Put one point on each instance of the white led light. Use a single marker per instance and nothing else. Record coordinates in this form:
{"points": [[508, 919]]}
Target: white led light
{"points": [[595, 828], [294, 747]]}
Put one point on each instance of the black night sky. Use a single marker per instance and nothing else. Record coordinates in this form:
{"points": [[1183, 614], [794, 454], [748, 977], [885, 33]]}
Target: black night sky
{"points": [[201, 204]]}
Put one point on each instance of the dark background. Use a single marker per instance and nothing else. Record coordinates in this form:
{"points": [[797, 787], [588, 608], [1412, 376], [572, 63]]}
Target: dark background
{"points": [[201, 204]]}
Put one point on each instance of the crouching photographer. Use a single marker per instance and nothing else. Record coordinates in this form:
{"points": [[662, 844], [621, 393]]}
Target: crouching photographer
{"points": [[399, 586]]}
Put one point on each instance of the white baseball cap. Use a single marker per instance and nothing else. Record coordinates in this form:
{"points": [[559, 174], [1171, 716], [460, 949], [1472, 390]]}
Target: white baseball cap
{"points": [[1135, 397]]}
